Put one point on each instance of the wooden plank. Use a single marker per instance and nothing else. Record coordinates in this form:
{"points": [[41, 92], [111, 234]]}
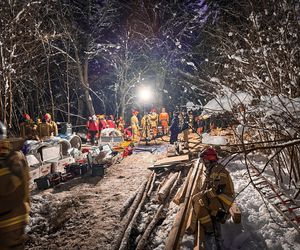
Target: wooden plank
{"points": [[170, 160], [170, 166], [173, 240], [165, 189], [179, 197], [235, 213]]}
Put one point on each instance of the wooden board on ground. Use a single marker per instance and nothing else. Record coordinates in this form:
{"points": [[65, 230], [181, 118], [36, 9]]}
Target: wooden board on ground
{"points": [[235, 213], [176, 165], [172, 160]]}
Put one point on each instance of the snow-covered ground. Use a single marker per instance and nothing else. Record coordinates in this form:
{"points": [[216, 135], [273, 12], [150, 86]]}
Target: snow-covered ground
{"points": [[260, 229]]}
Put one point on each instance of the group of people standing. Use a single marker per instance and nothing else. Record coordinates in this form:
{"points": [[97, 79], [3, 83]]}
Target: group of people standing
{"points": [[98, 123], [148, 128], [40, 129], [181, 122]]}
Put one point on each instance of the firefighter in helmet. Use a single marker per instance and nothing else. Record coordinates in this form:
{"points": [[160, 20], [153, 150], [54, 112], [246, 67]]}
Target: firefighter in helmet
{"points": [[215, 197], [47, 128], [28, 128], [14, 194]]}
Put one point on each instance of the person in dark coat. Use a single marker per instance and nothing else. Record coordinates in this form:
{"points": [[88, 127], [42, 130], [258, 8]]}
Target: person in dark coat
{"points": [[185, 128], [174, 128]]}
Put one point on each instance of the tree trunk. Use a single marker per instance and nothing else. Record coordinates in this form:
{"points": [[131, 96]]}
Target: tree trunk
{"points": [[159, 85], [84, 81], [50, 88]]}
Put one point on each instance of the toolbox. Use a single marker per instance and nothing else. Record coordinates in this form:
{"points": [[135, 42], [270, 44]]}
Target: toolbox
{"points": [[42, 182], [84, 168], [49, 180], [74, 169], [98, 170]]}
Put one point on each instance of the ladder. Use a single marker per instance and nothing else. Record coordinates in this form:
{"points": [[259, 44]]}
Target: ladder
{"points": [[281, 201]]}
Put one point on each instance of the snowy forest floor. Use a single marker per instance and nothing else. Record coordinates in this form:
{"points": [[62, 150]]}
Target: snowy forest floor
{"points": [[84, 213]]}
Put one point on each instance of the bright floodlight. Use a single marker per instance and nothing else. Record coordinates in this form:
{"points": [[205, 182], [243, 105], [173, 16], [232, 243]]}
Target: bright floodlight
{"points": [[145, 94]]}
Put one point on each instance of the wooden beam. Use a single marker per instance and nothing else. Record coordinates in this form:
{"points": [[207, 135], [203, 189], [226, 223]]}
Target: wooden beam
{"points": [[174, 237], [172, 160], [165, 189]]}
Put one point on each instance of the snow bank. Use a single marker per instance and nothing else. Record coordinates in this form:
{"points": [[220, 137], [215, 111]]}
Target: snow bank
{"points": [[213, 140], [258, 229], [226, 103]]}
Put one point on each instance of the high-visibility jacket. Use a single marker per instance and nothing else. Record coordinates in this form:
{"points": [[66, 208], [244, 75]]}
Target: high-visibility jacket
{"points": [[153, 119], [134, 121], [146, 126], [164, 119], [53, 128], [46, 129], [14, 192], [214, 195], [28, 130]]}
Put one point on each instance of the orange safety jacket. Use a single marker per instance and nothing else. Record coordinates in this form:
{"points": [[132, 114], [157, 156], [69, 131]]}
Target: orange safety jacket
{"points": [[164, 119], [14, 192]]}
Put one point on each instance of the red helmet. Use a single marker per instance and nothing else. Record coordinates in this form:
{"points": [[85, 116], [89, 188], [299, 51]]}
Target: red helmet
{"points": [[47, 116], [26, 117], [209, 154]]}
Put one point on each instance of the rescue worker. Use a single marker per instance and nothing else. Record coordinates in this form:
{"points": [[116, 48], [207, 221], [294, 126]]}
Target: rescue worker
{"points": [[102, 122], [110, 121], [14, 195], [200, 125], [174, 128], [121, 124], [47, 128], [211, 204], [185, 129], [88, 135], [153, 116], [28, 128], [93, 129], [53, 125], [134, 121], [164, 120], [146, 127], [127, 134]]}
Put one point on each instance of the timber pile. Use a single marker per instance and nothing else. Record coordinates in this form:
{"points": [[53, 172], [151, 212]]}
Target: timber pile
{"points": [[189, 188], [145, 210]]}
